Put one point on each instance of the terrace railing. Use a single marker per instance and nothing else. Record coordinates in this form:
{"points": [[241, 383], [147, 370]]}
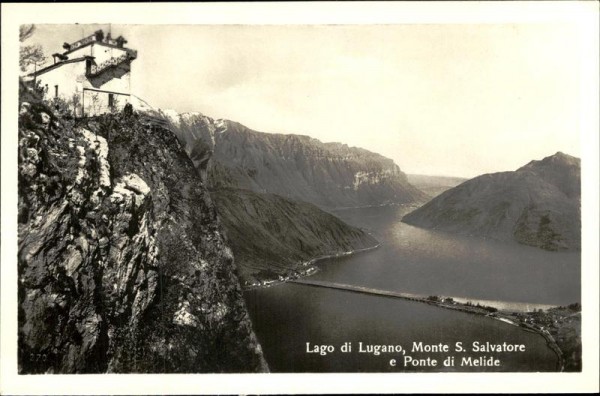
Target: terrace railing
{"points": [[81, 43], [112, 62], [94, 38]]}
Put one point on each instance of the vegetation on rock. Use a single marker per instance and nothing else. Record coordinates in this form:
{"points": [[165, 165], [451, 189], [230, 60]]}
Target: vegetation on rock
{"points": [[122, 265]]}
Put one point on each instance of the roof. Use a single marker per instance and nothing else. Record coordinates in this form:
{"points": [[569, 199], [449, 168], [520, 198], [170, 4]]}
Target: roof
{"points": [[54, 66]]}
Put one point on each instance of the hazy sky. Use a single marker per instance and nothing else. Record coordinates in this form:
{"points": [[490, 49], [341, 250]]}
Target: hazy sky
{"points": [[455, 100]]}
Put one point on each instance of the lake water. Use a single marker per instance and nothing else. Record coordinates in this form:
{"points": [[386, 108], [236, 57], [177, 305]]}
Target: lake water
{"points": [[419, 261]]}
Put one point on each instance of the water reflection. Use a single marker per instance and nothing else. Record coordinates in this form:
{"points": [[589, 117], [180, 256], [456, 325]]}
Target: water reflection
{"points": [[429, 262]]}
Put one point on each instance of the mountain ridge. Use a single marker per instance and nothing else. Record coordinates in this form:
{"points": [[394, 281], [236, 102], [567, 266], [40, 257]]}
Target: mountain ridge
{"points": [[296, 231], [539, 205], [276, 238], [434, 185], [330, 175]]}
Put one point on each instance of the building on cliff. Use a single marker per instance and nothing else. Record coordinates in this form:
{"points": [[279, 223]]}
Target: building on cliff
{"points": [[93, 75]]}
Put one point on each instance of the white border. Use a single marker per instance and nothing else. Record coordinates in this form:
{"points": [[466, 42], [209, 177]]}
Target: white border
{"points": [[583, 14]]}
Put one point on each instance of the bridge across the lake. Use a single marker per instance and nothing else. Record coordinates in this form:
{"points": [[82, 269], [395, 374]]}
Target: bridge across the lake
{"points": [[443, 301]]}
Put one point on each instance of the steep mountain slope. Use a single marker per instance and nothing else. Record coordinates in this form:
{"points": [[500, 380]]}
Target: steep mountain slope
{"points": [[272, 236], [122, 266], [329, 175], [539, 204]]}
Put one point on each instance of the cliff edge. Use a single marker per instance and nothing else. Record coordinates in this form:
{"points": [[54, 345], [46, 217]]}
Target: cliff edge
{"points": [[121, 262]]}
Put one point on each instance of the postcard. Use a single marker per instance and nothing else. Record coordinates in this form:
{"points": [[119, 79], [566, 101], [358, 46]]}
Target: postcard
{"points": [[299, 198]]}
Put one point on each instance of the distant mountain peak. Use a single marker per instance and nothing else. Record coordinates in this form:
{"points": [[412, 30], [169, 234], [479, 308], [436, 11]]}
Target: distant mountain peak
{"points": [[560, 154], [560, 159], [537, 205]]}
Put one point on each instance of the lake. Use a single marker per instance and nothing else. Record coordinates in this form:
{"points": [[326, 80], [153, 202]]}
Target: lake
{"points": [[412, 260]]}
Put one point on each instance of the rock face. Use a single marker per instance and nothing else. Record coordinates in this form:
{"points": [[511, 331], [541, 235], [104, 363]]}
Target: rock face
{"points": [[122, 266], [329, 175], [538, 205], [274, 237]]}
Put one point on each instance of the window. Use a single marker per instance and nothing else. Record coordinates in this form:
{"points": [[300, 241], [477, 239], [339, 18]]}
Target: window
{"points": [[111, 100], [56, 91]]}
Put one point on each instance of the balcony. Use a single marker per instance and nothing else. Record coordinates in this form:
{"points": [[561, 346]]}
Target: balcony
{"points": [[95, 70]]}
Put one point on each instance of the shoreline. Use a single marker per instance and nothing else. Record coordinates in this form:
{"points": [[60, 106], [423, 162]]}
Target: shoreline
{"points": [[550, 341], [309, 267], [511, 313], [504, 316], [384, 205]]}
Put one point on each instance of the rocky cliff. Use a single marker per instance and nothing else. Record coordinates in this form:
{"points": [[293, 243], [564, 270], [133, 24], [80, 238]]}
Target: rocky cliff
{"points": [[329, 175], [539, 205], [276, 238], [121, 262]]}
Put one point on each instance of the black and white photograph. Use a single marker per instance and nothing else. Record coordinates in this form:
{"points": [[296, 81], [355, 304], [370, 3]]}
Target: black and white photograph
{"points": [[341, 196]]}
